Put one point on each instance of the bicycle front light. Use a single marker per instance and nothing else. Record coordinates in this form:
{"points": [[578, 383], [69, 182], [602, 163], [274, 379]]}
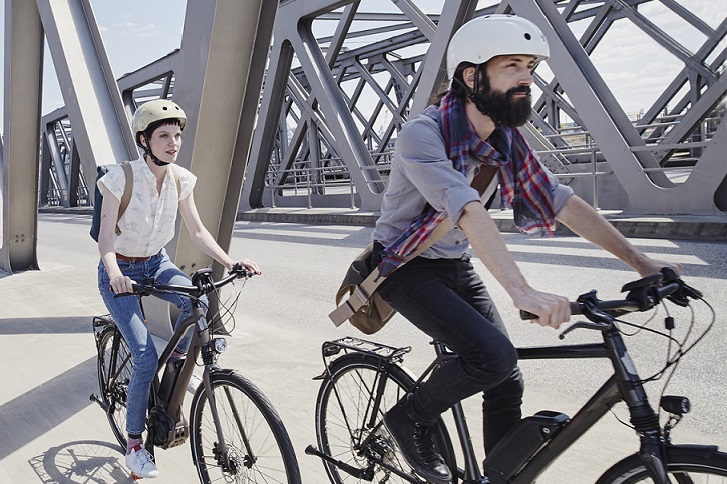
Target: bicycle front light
{"points": [[676, 404], [219, 344]]}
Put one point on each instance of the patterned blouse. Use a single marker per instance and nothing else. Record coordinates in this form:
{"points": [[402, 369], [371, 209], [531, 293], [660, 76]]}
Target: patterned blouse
{"points": [[149, 221]]}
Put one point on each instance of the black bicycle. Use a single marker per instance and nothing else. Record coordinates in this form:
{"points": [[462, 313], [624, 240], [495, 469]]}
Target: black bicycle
{"points": [[237, 436], [363, 379]]}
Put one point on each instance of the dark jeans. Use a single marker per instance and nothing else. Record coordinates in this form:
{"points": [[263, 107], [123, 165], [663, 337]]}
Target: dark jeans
{"points": [[447, 300]]}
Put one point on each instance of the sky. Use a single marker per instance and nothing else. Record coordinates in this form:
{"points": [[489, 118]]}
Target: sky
{"points": [[137, 32]]}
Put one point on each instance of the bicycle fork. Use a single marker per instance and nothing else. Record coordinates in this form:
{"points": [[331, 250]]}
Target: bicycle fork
{"points": [[208, 358], [643, 417]]}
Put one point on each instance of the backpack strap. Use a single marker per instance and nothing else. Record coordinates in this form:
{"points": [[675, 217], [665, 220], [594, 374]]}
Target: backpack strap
{"points": [[128, 188], [175, 174]]}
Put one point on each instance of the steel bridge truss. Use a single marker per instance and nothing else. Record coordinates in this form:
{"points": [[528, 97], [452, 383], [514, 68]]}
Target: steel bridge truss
{"points": [[342, 80], [339, 79]]}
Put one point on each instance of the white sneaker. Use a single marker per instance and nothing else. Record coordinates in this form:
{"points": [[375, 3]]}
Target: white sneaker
{"points": [[140, 463]]}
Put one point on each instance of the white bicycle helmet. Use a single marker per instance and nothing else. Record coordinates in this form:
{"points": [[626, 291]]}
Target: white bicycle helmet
{"points": [[483, 38], [153, 111]]}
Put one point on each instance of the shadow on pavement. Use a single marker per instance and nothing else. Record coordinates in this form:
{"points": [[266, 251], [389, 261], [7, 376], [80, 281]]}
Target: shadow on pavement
{"points": [[47, 325], [87, 461], [32, 414]]}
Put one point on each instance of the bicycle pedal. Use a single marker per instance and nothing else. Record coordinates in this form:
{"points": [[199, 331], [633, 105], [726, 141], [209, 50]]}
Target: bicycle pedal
{"points": [[135, 477]]}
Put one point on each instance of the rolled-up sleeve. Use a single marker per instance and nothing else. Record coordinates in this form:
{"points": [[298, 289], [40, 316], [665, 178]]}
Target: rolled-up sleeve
{"points": [[114, 181], [187, 181], [561, 193], [424, 161]]}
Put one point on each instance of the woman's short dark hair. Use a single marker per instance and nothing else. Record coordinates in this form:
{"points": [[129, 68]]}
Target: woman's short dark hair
{"points": [[153, 126]]}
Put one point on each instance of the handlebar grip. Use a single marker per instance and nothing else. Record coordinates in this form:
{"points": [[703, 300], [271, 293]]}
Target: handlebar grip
{"points": [[242, 271], [136, 290], [575, 308]]}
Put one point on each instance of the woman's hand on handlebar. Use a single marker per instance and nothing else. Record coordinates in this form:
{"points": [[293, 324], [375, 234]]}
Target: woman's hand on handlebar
{"points": [[551, 310], [249, 265], [121, 284]]}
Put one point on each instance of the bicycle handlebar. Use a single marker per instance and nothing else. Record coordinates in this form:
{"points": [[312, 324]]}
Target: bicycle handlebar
{"points": [[202, 281], [643, 295]]}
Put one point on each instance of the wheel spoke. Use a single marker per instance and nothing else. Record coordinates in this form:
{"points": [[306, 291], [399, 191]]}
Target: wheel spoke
{"points": [[252, 433], [349, 409], [114, 373]]}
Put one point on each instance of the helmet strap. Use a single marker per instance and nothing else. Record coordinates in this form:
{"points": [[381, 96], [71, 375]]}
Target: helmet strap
{"points": [[156, 160], [473, 94], [147, 151]]}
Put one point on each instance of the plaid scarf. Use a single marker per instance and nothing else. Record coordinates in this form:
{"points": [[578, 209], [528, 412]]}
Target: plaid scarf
{"points": [[524, 184]]}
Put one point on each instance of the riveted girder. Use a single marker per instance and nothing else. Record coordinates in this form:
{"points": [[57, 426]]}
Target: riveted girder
{"points": [[21, 118], [340, 79], [354, 86]]}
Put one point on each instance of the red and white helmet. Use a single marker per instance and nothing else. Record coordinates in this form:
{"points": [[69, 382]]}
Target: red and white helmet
{"points": [[483, 38]]}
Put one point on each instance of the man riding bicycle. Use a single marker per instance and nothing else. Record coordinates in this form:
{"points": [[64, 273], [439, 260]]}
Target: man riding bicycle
{"points": [[132, 249], [472, 129]]}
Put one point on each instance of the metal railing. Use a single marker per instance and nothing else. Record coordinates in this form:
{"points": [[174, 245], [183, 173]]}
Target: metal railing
{"points": [[312, 181]]}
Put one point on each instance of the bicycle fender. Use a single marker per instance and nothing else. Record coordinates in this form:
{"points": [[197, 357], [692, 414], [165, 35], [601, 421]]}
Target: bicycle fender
{"points": [[674, 453]]}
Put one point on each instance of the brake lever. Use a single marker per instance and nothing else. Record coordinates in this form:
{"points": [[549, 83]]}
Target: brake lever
{"points": [[241, 271], [585, 325]]}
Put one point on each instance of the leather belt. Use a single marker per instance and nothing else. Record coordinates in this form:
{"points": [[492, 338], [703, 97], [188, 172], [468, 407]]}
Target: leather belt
{"points": [[131, 259]]}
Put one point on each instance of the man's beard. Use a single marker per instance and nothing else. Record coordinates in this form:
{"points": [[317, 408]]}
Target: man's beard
{"points": [[503, 108]]}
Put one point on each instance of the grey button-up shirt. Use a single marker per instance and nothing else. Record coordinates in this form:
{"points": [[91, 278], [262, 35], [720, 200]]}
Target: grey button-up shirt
{"points": [[421, 172]]}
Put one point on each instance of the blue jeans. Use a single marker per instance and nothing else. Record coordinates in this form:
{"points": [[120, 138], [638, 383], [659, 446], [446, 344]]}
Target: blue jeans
{"points": [[126, 312], [447, 300]]}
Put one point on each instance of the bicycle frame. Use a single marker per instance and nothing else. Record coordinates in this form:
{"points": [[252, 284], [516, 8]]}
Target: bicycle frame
{"points": [[624, 385], [201, 339]]}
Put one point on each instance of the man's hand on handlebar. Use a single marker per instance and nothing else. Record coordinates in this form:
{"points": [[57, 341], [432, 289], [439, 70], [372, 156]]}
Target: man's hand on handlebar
{"points": [[648, 266], [550, 309]]}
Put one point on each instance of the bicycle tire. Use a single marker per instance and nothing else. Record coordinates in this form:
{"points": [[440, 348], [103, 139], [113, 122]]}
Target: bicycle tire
{"points": [[114, 387], [339, 420], [692, 464], [244, 410]]}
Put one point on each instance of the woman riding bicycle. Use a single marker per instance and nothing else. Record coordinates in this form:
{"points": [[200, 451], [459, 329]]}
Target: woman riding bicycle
{"points": [[132, 249], [473, 128]]}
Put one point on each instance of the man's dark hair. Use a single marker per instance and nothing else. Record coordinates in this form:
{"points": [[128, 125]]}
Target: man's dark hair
{"points": [[458, 86], [499, 106]]}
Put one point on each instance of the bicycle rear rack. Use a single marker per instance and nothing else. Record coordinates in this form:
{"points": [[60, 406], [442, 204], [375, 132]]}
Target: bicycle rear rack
{"points": [[102, 322], [378, 350]]}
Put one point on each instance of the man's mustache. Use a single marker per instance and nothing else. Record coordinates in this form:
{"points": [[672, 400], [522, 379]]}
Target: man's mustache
{"points": [[518, 90]]}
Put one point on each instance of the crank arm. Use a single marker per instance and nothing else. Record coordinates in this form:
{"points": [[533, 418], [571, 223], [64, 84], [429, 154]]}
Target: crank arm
{"points": [[367, 474]]}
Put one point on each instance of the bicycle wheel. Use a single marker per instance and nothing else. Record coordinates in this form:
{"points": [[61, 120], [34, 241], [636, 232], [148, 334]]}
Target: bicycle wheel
{"points": [[114, 373], [687, 464], [346, 430], [257, 444]]}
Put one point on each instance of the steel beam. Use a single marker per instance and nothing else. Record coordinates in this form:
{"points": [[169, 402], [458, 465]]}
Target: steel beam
{"points": [[21, 118], [604, 118], [218, 76], [101, 128], [218, 82], [434, 72], [293, 34]]}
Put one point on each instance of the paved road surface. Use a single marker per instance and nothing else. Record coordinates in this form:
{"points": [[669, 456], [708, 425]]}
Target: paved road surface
{"points": [[50, 432]]}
